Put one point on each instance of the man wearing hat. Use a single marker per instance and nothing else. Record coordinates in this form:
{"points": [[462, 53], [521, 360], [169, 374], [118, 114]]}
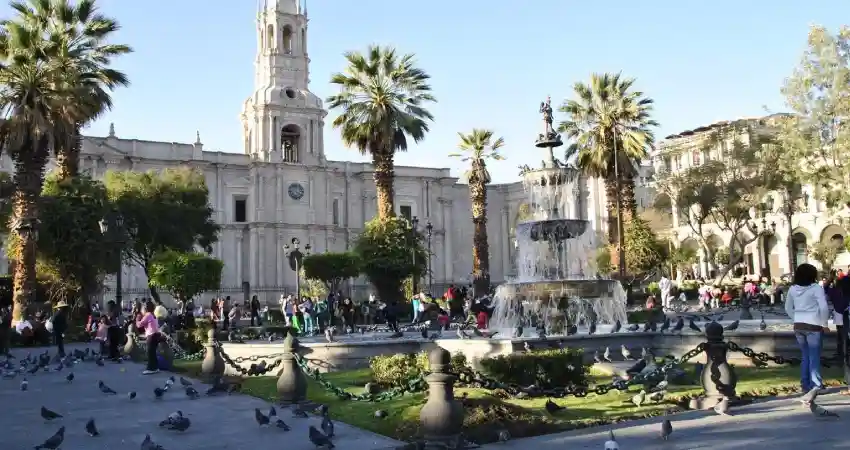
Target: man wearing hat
{"points": [[60, 325]]}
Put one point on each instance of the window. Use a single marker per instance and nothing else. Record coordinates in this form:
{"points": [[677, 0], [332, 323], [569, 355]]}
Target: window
{"points": [[240, 210], [406, 211], [335, 212], [696, 156]]}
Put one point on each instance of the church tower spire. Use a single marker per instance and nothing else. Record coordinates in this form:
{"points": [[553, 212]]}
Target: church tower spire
{"points": [[282, 120]]}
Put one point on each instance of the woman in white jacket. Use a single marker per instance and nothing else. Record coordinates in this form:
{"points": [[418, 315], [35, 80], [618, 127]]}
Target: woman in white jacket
{"points": [[806, 306]]}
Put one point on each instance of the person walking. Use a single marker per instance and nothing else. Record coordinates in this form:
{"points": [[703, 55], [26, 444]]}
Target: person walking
{"points": [[150, 325], [59, 323], [255, 311], [114, 334], [806, 306]]}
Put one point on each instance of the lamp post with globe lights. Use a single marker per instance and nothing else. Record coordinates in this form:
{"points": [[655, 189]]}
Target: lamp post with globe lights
{"points": [[764, 233], [413, 231], [295, 257], [117, 236], [429, 229]]}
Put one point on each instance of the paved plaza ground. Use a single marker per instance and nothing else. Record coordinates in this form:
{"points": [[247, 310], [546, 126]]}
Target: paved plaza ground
{"points": [[782, 424], [223, 422]]}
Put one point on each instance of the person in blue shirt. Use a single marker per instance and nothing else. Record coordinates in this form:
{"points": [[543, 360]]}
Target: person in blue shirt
{"points": [[415, 301]]}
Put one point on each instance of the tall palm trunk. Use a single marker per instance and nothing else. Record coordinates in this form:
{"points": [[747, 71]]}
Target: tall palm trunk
{"points": [[611, 195], [29, 176], [68, 155], [627, 196], [384, 175], [480, 249]]}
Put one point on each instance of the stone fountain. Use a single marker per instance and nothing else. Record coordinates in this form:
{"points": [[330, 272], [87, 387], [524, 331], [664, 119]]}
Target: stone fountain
{"points": [[557, 284]]}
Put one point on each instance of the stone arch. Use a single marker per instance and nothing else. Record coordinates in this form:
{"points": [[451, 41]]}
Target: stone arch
{"points": [[286, 39], [270, 42], [801, 239], [835, 234], [290, 142]]}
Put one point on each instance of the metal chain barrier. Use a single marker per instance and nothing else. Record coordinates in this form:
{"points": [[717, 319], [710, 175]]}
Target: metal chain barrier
{"points": [[762, 356], [181, 354], [258, 366], [472, 378]]}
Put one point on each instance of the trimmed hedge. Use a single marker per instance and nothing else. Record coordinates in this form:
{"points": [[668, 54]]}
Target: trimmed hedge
{"points": [[396, 370], [543, 368]]}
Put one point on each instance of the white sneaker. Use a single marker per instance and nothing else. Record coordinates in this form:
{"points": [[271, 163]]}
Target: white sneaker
{"points": [[150, 372]]}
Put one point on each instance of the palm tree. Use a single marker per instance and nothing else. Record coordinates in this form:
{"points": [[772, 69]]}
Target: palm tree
{"points": [[381, 103], [477, 147], [75, 40], [610, 126], [31, 100]]}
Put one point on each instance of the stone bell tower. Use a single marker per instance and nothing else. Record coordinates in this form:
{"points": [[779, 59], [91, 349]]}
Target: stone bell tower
{"points": [[282, 120]]}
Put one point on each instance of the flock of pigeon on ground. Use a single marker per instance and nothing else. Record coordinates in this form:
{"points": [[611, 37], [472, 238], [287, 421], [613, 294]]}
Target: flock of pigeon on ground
{"points": [[32, 365]]}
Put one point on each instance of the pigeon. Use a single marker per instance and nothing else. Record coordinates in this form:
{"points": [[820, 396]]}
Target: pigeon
{"points": [[639, 398], [592, 329], [158, 392], [179, 423], [680, 323], [606, 355], [762, 324], [694, 326], [70, 377], [34, 369], [25, 384], [47, 414], [272, 412], [758, 363], [552, 407], [381, 414], [329, 335], [666, 429], [131, 395], [637, 368], [526, 346], [627, 354], [617, 326], [662, 385], [185, 382], [149, 444], [298, 412], [722, 407], [719, 318], [611, 443], [318, 439], [327, 426], [105, 389], [99, 362], [192, 393], [504, 435], [53, 442], [810, 396], [261, 418], [633, 327], [596, 358], [647, 326], [282, 425], [732, 326], [643, 352], [666, 325], [819, 411], [91, 429], [169, 382], [656, 396]]}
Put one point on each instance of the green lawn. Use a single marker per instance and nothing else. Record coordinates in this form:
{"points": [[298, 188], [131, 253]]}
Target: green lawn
{"points": [[486, 413]]}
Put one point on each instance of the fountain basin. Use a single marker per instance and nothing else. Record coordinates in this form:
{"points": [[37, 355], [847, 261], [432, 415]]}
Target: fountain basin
{"points": [[557, 289], [553, 230]]}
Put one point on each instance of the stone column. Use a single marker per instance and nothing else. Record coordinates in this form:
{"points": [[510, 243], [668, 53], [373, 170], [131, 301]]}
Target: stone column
{"points": [[576, 203], [252, 256], [292, 383], [442, 416], [506, 240], [239, 239], [278, 275], [447, 238], [261, 266]]}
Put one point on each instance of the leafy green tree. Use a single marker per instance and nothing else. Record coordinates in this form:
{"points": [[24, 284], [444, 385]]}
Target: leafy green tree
{"points": [[381, 104], [683, 258], [331, 268], [312, 287], [477, 147], [825, 252], [722, 256], [603, 261], [815, 136], [166, 210], [185, 274], [385, 248], [644, 252], [611, 126]]}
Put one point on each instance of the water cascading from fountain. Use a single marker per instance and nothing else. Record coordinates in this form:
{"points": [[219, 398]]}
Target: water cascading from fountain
{"points": [[557, 283]]}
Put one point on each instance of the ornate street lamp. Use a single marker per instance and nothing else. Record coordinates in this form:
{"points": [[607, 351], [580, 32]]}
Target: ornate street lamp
{"points": [[117, 235], [429, 229], [295, 258]]}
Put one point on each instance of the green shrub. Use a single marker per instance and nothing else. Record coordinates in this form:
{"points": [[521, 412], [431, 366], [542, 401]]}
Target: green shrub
{"points": [[545, 368], [689, 285], [396, 370], [653, 288]]}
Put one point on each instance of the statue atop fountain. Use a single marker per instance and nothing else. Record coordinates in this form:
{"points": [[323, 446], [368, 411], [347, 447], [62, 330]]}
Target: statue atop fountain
{"points": [[557, 284]]}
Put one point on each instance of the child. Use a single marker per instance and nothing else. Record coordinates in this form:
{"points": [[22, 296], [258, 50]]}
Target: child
{"points": [[443, 319], [481, 319], [101, 335]]}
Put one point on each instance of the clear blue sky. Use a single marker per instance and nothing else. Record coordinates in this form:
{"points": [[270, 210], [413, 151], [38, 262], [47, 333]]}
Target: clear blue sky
{"points": [[492, 62]]}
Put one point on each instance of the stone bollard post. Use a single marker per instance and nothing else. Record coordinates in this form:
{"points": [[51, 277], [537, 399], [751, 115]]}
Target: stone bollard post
{"points": [[746, 304], [442, 416], [213, 364], [718, 378], [292, 383], [131, 349]]}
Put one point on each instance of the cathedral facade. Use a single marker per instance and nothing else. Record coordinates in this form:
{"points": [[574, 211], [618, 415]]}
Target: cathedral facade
{"points": [[281, 186]]}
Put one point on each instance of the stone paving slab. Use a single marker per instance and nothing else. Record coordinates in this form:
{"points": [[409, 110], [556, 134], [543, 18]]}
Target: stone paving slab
{"points": [[776, 425], [220, 422]]}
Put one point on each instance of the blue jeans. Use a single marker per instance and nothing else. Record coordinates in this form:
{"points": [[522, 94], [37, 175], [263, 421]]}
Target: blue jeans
{"points": [[810, 343], [415, 312], [308, 323]]}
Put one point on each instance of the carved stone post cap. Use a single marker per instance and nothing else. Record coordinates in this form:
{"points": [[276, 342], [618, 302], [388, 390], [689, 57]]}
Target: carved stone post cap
{"points": [[132, 327], [211, 334], [439, 360], [290, 343], [714, 332]]}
